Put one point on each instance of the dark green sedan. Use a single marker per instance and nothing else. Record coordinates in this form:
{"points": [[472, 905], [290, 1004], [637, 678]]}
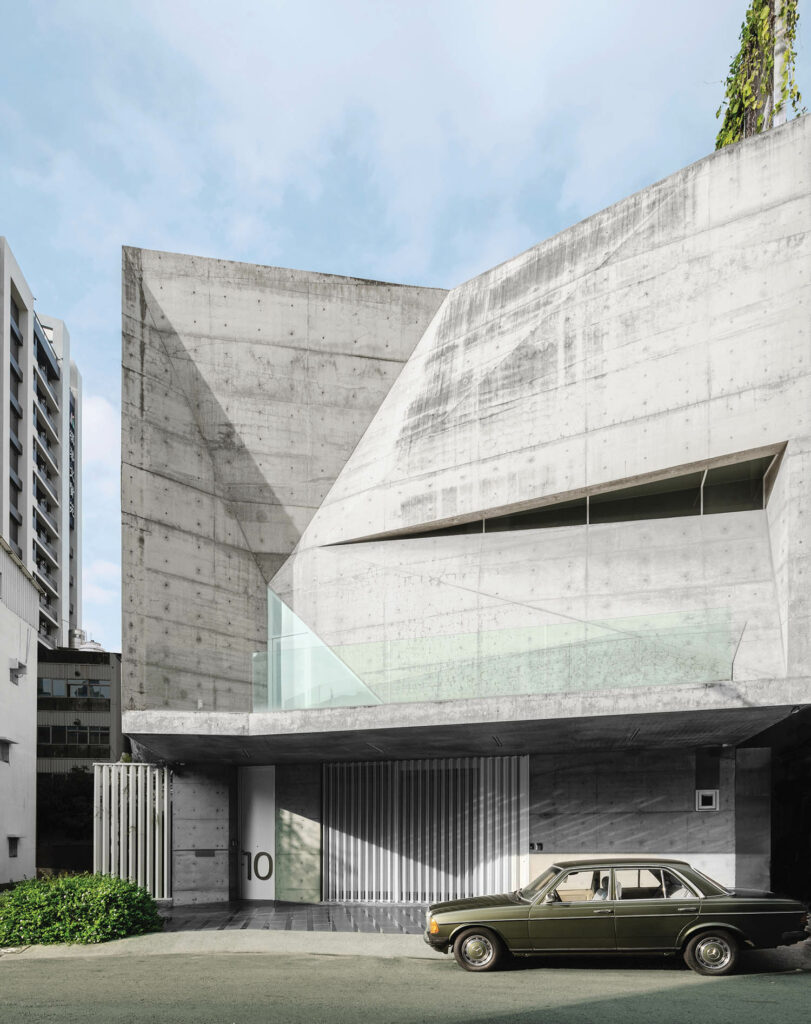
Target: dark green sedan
{"points": [[617, 905]]}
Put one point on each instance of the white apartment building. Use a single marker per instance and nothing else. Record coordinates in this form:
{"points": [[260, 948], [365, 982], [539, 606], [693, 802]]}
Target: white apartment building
{"points": [[40, 539], [40, 500]]}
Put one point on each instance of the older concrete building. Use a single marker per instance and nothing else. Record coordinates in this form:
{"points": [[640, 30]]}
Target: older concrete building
{"points": [[423, 590]]}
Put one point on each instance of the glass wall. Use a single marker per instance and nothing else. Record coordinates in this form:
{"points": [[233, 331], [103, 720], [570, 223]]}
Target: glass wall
{"points": [[301, 671]]}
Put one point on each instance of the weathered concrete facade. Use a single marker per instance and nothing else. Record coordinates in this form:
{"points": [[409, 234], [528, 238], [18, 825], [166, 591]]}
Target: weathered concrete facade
{"points": [[245, 390], [576, 520]]}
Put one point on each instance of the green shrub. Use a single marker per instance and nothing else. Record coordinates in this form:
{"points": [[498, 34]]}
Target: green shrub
{"points": [[76, 908]]}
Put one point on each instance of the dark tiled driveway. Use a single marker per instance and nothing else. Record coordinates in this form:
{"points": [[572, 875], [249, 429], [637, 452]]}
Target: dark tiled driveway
{"points": [[403, 919]]}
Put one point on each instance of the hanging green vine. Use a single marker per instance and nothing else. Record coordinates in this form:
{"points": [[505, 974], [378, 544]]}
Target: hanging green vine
{"points": [[749, 102]]}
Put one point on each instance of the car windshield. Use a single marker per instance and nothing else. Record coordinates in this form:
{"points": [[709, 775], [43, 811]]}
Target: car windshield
{"points": [[529, 892]]}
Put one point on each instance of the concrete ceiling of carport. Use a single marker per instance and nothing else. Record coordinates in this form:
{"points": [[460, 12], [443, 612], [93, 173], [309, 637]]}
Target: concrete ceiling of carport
{"points": [[726, 727]]}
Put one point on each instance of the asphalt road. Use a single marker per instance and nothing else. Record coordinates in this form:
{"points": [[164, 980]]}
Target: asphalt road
{"points": [[250, 988]]}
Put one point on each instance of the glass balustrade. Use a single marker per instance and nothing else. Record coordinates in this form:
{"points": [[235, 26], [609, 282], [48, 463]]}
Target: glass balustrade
{"points": [[299, 670]]}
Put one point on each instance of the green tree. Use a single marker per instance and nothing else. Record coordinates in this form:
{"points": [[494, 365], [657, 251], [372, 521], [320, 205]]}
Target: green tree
{"points": [[752, 96]]}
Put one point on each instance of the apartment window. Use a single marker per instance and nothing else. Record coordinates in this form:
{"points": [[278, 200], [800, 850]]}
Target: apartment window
{"points": [[74, 735], [87, 689], [13, 846], [51, 688], [5, 751]]}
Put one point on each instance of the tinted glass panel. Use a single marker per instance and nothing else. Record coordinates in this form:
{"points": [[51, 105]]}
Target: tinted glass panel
{"points": [[736, 488], [58, 687], [565, 513], [638, 884], [580, 886], [679, 496]]}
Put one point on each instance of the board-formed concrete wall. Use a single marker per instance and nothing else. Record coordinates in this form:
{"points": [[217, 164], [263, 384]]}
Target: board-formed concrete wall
{"points": [[670, 328], [669, 331], [245, 389]]}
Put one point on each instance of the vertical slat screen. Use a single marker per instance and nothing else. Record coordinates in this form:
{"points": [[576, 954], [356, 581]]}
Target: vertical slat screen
{"points": [[423, 831], [132, 825]]}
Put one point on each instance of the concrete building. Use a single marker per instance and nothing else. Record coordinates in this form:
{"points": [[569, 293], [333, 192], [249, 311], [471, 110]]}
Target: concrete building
{"points": [[425, 589], [78, 708], [78, 724]]}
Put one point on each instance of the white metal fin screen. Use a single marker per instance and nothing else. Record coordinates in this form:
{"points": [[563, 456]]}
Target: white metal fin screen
{"points": [[132, 824], [422, 831]]}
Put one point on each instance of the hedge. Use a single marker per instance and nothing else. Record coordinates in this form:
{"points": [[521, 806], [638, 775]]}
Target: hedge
{"points": [[75, 908]]}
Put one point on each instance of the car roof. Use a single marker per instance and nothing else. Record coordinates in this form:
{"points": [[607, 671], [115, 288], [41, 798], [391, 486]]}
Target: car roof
{"points": [[617, 862]]}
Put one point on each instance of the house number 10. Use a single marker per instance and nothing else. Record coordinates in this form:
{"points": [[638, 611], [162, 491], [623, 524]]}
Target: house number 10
{"points": [[257, 865]]}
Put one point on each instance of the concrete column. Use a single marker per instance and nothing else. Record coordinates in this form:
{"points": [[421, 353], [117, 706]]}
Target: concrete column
{"points": [[753, 838]]}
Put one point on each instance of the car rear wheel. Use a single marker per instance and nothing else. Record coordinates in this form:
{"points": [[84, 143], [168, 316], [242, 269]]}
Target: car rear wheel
{"points": [[478, 949], [712, 952]]}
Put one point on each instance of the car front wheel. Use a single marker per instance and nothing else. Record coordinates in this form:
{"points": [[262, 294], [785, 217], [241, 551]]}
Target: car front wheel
{"points": [[478, 949], [712, 952]]}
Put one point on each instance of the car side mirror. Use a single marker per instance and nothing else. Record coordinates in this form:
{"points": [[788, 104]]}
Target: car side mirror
{"points": [[549, 898]]}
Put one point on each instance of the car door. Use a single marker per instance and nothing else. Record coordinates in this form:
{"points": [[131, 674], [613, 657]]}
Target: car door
{"points": [[576, 915], [652, 907]]}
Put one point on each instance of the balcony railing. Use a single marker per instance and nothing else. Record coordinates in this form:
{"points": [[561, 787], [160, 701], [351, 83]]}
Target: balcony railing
{"points": [[48, 609], [73, 703], [46, 517], [45, 577], [46, 384], [98, 751], [15, 366], [49, 549], [46, 483], [47, 451], [41, 416]]}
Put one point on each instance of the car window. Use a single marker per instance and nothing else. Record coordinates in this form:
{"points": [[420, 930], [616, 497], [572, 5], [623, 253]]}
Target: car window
{"points": [[676, 888], [582, 886], [534, 887], [639, 884]]}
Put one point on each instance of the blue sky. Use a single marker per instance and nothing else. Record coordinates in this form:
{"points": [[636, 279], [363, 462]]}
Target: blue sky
{"points": [[419, 142]]}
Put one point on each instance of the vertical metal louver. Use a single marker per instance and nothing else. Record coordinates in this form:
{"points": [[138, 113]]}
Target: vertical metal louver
{"points": [[132, 827], [422, 831]]}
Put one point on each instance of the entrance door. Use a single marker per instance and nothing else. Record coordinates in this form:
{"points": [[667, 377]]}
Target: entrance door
{"points": [[423, 831], [577, 915]]}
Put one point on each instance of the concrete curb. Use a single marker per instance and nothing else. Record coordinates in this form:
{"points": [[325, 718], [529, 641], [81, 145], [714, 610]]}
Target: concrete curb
{"points": [[241, 941]]}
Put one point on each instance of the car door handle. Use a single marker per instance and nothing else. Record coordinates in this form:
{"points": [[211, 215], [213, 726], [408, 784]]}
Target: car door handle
{"points": [[687, 910], [603, 911]]}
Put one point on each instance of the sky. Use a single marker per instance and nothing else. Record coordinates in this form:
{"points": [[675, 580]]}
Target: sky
{"points": [[417, 142]]}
